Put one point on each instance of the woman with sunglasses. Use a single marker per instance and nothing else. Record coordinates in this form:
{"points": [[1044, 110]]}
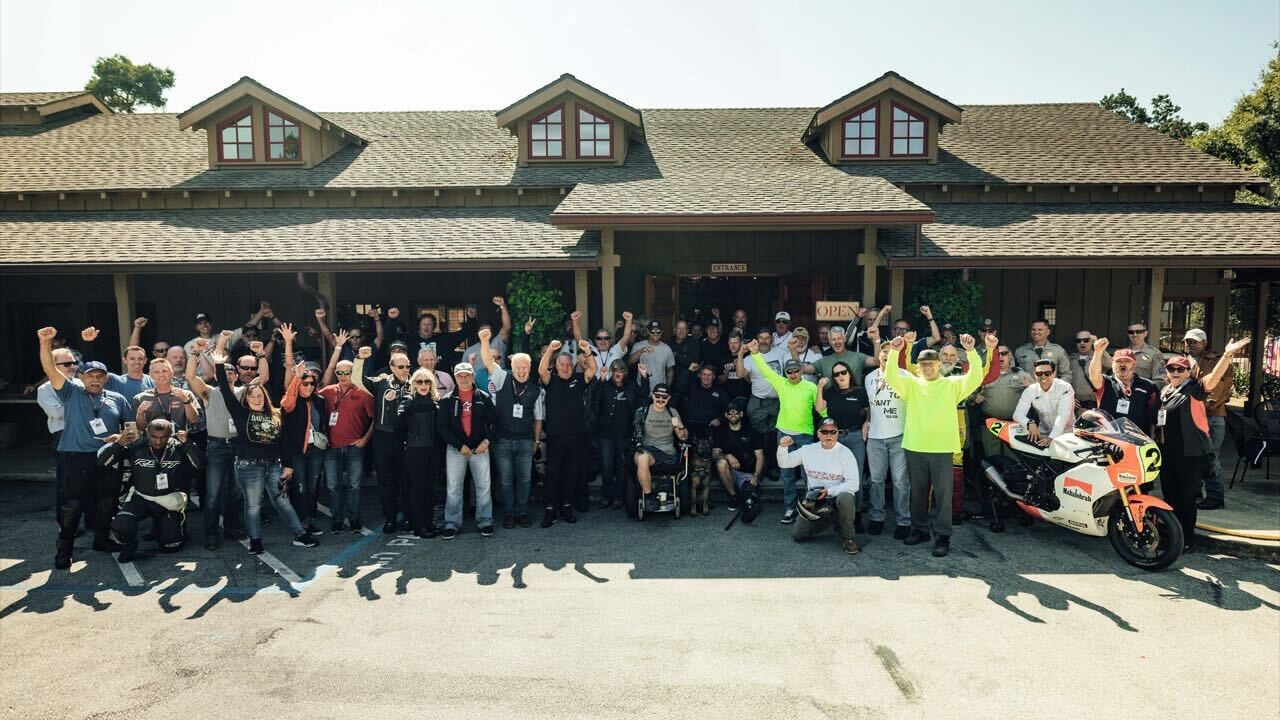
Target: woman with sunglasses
{"points": [[418, 412], [262, 460], [838, 398], [1182, 431], [388, 391], [304, 430]]}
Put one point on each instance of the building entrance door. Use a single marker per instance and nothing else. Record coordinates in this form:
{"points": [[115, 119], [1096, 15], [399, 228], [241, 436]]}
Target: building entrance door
{"points": [[668, 297]]}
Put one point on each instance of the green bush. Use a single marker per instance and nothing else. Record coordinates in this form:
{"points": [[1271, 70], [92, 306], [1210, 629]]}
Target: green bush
{"points": [[530, 295], [951, 299]]}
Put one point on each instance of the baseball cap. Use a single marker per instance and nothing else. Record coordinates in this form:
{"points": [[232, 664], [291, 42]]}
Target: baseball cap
{"points": [[792, 364], [202, 317], [1179, 361], [463, 367], [948, 326], [93, 365], [927, 355], [801, 331], [655, 325], [1196, 334], [739, 404], [712, 322], [398, 344], [987, 324], [662, 388], [783, 315], [829, 423], [1123, 354]]}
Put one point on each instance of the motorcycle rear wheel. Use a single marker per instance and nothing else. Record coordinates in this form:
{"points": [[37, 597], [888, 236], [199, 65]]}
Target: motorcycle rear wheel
{"points": [[1157, 547]]}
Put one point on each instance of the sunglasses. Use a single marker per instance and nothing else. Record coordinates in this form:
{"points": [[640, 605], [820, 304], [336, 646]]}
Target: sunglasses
{"points": [[839, 373], [421, 382], [66, 364], [662, 398], [1081, 341], [1044, 373], [308, 383], [605, 338], [247, 368], [1175, 370], [1005, 352], [655, 331], [733, 411], [828, 432], [400, 367], [159, 351], [781, 322], [793, 372], [355, 338], [1137, 332]]}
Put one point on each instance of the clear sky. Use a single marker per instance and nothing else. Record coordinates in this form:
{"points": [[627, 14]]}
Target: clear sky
{"points": [[379, 55]]}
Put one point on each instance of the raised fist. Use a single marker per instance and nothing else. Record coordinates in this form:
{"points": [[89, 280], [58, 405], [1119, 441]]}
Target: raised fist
{"points": [[785, 441], [226, 335], [584, 346], [822, 383], [139, 322], [499, 301], [200, 346], [554, 345], [991, 340], [885, 310], [926, 312], [643, 370], [484, 335], [1101, 344], [910, 337], [873, 333], [321, 314], [897, 343], [89, 334], [47, 334], [576, 315], [693, 367], [626, 315], [966, 342], [255, 347], [366, 352], [753, 347]]}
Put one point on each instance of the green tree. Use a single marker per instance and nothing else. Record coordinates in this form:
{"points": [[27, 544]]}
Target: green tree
{"points": [[1250, 135], [950, 298], [530, 295], [1164, 116], [1126, 105], [123, 86]]}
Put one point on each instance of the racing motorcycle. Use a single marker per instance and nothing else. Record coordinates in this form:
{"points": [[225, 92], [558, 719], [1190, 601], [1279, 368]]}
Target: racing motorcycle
{"points": [[1093, 481]]}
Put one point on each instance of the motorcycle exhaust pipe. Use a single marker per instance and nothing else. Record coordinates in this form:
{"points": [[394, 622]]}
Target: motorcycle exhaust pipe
{"points": [[993, 474]]}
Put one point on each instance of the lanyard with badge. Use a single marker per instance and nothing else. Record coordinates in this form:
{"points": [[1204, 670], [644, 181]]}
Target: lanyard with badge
{"points": [[98, 426], [1122, 392], [162, 477], [337, 406], [517, 409]]}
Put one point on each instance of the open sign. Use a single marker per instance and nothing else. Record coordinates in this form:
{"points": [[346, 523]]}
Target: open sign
{"points": [[836, 310]]}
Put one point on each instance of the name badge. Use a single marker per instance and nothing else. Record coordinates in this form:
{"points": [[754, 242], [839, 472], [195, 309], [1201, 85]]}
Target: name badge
{"points": [[333, 418], [1122, 406], [517, 411], [162, 481], [231, 426], [1161, 416], [98, 426]]}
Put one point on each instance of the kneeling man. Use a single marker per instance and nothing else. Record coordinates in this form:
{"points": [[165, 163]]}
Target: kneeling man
{"points": [[831, 473]]}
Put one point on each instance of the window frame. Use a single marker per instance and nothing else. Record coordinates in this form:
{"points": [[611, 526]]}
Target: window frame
{"points": [[266, 136], [874, 104], [577, 132], [230, 122], [564, 141], [924, 139]]}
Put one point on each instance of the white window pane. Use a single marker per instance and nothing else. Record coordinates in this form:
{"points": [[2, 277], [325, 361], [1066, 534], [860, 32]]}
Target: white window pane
{"points": [[868, 147], [587, 132], [603, 131], [275, 134], [539, 149], [869, 115], [584, 116], [275, 152], [917, 129], [274, 119], [868, 129], [900, 129], [850, 130], [899, 147], [539, 131], [586, 148], [555, 149], [898, 114], [915, 147], [246, 152], [850, 147], [602, 148], [228, 135], [554, 117], [244, 135], [553, 132], [245, 121]]}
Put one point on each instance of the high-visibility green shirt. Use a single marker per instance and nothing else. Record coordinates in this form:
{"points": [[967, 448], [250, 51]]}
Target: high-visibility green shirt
{"points": [[931, 405], [795, 400]]}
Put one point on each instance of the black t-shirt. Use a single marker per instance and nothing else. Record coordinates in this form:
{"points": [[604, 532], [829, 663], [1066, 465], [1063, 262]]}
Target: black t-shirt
{"points": [[849, 409], [1186, 425], [1143, 397], [566, 408], [734, 386], [741, 443], [715, 353], [686, 353]]}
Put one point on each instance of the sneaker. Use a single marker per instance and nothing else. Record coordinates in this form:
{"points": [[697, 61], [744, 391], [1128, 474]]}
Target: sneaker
{"points": [[549, 518], [306, 540], [650, 503], [311, 529], [255, 546], [127, 553], [915, 538], [427, 532], [524, 521], [508, 522], [566, 514], [336, 527], [850, 546], [449, 533], [877, 527], [389, 527], [604, 504], [733, 503], [211, 542], [355, 527], [900, 532], [942, 546], [1208, 504], [486, 531], [788, 517]]}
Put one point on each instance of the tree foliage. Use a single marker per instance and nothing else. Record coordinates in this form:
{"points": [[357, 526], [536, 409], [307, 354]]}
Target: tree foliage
{"points": [[1164, 116], [530, 295], [1250, 135], [950, 298], [123, 86]]}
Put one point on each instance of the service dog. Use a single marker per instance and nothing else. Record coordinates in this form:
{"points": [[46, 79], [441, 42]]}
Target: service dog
{"points": [[700, 475]]}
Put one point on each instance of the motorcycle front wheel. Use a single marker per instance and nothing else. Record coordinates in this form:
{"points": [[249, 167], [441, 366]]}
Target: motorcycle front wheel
{"points": [[1157, 547]]}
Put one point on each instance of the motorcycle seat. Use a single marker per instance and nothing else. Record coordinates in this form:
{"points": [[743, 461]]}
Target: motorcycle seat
{"points": [[1023, 443]]}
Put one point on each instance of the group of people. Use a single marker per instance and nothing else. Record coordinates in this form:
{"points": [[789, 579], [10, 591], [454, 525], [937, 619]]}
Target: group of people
{"points": [[252, 415]]}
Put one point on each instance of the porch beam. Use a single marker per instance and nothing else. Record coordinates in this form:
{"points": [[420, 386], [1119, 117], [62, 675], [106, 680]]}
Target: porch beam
{"points": [[580, 301], [608, 261], [1155, 299], [327, 283], [125, 302], [869, 266], [897, 290], [1256, 347]]}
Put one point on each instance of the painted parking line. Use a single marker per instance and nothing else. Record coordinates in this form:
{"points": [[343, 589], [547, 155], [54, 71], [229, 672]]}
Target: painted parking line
{"points": [[274, 563], [130, 571]]}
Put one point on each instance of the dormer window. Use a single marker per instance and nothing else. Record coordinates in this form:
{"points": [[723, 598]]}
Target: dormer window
{"points": [[284, 137], [860, 133], [235, 138], [595, 135], [908, 133], [546, 135]]}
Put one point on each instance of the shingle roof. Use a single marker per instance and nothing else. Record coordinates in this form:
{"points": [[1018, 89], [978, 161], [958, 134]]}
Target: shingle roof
{"points": [[724, 162], [1064, 144], [391, 239], [35, 98], [1036, 234]]}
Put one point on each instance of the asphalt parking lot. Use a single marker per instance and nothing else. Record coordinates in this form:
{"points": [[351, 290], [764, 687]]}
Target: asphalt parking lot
{"points": [[610, 617]]}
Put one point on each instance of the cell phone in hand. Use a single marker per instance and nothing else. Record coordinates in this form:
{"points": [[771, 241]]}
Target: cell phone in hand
{"points": [[131, 428]]}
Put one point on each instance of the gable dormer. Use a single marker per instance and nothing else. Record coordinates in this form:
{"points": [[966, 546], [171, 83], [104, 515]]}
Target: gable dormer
{"points": [[889, 118], [571, 121], [38, 108], [248, 124]]}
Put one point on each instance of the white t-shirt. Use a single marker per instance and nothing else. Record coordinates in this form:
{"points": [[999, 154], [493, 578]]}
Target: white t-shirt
{"points": [[887, 411], [835, 469], [781, 340], [760, 387]]}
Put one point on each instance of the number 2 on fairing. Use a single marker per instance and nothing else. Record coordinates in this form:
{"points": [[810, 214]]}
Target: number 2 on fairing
{"points": [[1151, 456]]}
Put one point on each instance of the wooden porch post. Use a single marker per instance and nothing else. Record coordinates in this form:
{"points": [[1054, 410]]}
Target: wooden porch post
{"points": [[608, 261], [870, 264], [327, 284], [580, 301], [897, 289], [1155, 301], [1255, 347], [123, 283]]}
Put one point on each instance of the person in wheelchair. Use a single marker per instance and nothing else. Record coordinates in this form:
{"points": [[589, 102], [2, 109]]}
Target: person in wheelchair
{"points": [[832, 476], [656, 432]]}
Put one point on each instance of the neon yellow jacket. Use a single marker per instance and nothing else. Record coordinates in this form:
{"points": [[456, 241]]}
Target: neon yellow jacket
{"points": [[931, 405], [795, 400]]}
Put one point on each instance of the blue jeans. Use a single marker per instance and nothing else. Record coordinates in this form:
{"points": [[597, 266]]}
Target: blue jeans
{"points": [[613, 465], [346, 501], [789, 475], [254, 477], [456, 476], [306, 483], [222, 497], [1213, 488], [885, 457], [514, 461]]}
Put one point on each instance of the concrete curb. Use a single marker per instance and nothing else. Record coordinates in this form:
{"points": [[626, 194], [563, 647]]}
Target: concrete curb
{"points": [[1240, 547]]}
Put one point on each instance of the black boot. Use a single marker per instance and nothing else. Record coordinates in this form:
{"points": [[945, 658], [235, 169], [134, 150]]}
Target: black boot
{"points": [[62, 558], [549, 518], [127, 552]]}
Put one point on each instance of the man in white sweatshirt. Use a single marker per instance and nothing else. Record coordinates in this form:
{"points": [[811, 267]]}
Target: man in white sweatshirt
{"points": [[831, 469]]}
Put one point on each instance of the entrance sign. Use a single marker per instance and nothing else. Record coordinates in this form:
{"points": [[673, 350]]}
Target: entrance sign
{"points": [[722, 268], [833, 310]]}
